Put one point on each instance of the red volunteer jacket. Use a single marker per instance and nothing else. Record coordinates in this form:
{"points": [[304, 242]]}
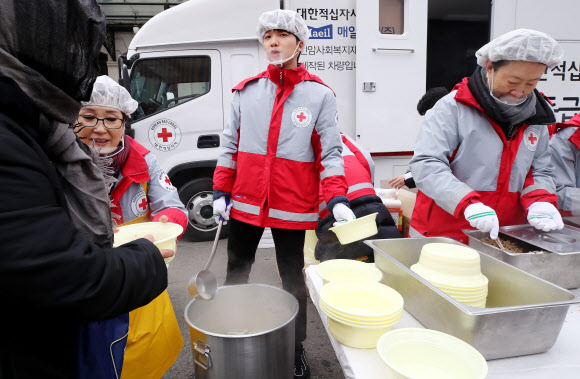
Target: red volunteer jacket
{"points": [[281, 141]]}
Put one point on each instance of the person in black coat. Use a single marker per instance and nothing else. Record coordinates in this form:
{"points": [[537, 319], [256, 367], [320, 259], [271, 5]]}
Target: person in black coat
{"points": [[58, 269], [359, 172]]}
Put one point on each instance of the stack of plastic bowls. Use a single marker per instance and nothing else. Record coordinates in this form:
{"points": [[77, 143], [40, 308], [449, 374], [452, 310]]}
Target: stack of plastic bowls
{"points": [[360, 312], [347, 269], [454, 269]]}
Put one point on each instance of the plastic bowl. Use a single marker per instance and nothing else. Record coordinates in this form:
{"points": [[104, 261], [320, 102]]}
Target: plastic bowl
{"points": [[361, 322], [415, 353], [164, 234], [357, 229], [361, 299], [359, 337], [343, 269]]}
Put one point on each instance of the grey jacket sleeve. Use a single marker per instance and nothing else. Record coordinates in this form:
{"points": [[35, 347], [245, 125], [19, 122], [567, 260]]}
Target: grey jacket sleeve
{"points": [[330, 142], [229, 143], [542, 169], [437, 139], [564, 158], [161, 193]]}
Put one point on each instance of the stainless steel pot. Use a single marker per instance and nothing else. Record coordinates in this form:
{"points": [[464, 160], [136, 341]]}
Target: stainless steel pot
{"points": [[246, 331]]}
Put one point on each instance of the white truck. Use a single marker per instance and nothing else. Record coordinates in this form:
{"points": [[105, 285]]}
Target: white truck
{"points": [[379, 56]]}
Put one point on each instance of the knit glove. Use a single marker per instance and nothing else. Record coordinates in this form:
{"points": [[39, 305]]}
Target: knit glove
{"points": [[483, 218], [221, 209], [544, 216], [342, 213]]}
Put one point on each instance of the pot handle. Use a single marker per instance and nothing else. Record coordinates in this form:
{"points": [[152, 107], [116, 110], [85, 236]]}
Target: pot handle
{"points": [[203, 349]]}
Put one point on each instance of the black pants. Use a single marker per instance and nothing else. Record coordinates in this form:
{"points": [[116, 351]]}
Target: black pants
{"points": [[243, 242]]}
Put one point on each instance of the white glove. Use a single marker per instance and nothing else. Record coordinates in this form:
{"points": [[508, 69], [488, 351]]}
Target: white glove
{"points": [[544, 216], [221, 208], [342, 213], [483, 218]]}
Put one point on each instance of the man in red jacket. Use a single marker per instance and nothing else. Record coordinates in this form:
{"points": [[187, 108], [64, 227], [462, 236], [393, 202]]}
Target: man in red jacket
{"points": [[282, 140]]}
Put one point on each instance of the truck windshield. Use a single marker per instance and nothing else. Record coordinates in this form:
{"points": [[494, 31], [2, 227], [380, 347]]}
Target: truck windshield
{"points": [[159, 84]]}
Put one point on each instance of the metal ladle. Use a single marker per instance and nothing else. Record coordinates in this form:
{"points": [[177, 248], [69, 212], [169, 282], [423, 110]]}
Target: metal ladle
{"points": [[205, 282]]}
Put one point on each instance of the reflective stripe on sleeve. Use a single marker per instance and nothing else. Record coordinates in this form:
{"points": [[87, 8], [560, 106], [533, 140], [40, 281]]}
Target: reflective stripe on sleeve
{"points": [[359, 186], [228, 163], [331, 172], [536, 187]]}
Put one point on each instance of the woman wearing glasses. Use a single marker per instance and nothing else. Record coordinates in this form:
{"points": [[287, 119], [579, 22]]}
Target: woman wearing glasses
{"points": [[141, 192]]}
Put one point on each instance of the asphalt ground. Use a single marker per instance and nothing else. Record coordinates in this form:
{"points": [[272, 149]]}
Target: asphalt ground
{"points": [[191, 257]]}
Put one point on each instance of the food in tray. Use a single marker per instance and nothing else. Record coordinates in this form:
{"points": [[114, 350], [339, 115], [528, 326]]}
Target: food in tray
{"points": [[513, 245], [454, 269]]}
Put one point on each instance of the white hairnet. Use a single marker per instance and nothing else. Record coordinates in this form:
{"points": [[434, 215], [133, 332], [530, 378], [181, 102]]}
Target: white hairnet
{"points": [[285, 20], [522, 45], [108, 93]]}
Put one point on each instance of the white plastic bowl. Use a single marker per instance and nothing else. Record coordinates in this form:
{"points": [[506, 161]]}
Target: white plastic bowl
{"points": [[164, 234], [361, 299], [357, 229], [359, 337], [344, 269], [414, 353], [361, 322]]}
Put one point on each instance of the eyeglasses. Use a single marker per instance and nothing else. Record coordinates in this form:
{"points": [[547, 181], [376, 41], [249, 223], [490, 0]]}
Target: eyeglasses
{"points": [[109, 122]]}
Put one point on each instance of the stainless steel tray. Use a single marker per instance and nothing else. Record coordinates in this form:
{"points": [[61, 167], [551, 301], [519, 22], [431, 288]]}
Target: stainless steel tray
{"points": [[565, 241], [524, 316], [572, 220], [560, 269]]}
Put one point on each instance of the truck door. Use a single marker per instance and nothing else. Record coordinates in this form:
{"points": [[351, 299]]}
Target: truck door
{"points": [[179, 117], [391, 46], [559, 19]]}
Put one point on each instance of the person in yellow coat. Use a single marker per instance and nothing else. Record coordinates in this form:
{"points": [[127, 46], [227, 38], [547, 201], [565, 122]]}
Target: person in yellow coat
{"points": [[140, 192]]}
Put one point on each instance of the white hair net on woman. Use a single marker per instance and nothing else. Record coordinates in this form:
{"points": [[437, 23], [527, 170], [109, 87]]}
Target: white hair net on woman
{"points": [[522, 45], [108, 93], [285, 20]]}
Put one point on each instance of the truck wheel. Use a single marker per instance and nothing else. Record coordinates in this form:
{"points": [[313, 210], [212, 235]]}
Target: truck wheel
{"points": [[197, 196]]}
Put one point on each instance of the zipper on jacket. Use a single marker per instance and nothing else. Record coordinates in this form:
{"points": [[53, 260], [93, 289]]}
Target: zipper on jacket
{"points": [[280, 78], [113, 356]]}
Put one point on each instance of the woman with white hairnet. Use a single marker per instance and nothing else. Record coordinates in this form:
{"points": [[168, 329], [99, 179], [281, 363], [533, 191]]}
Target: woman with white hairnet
{"points": [[481, 158], [281, 142], [141, 192]]}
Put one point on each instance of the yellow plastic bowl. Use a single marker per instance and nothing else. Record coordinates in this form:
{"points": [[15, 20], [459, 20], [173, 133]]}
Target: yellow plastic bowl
{"points": [[342, 269], [357, 229], [361, 322], [361, 299], [359, 337], [164, 234], [414, 353]]}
